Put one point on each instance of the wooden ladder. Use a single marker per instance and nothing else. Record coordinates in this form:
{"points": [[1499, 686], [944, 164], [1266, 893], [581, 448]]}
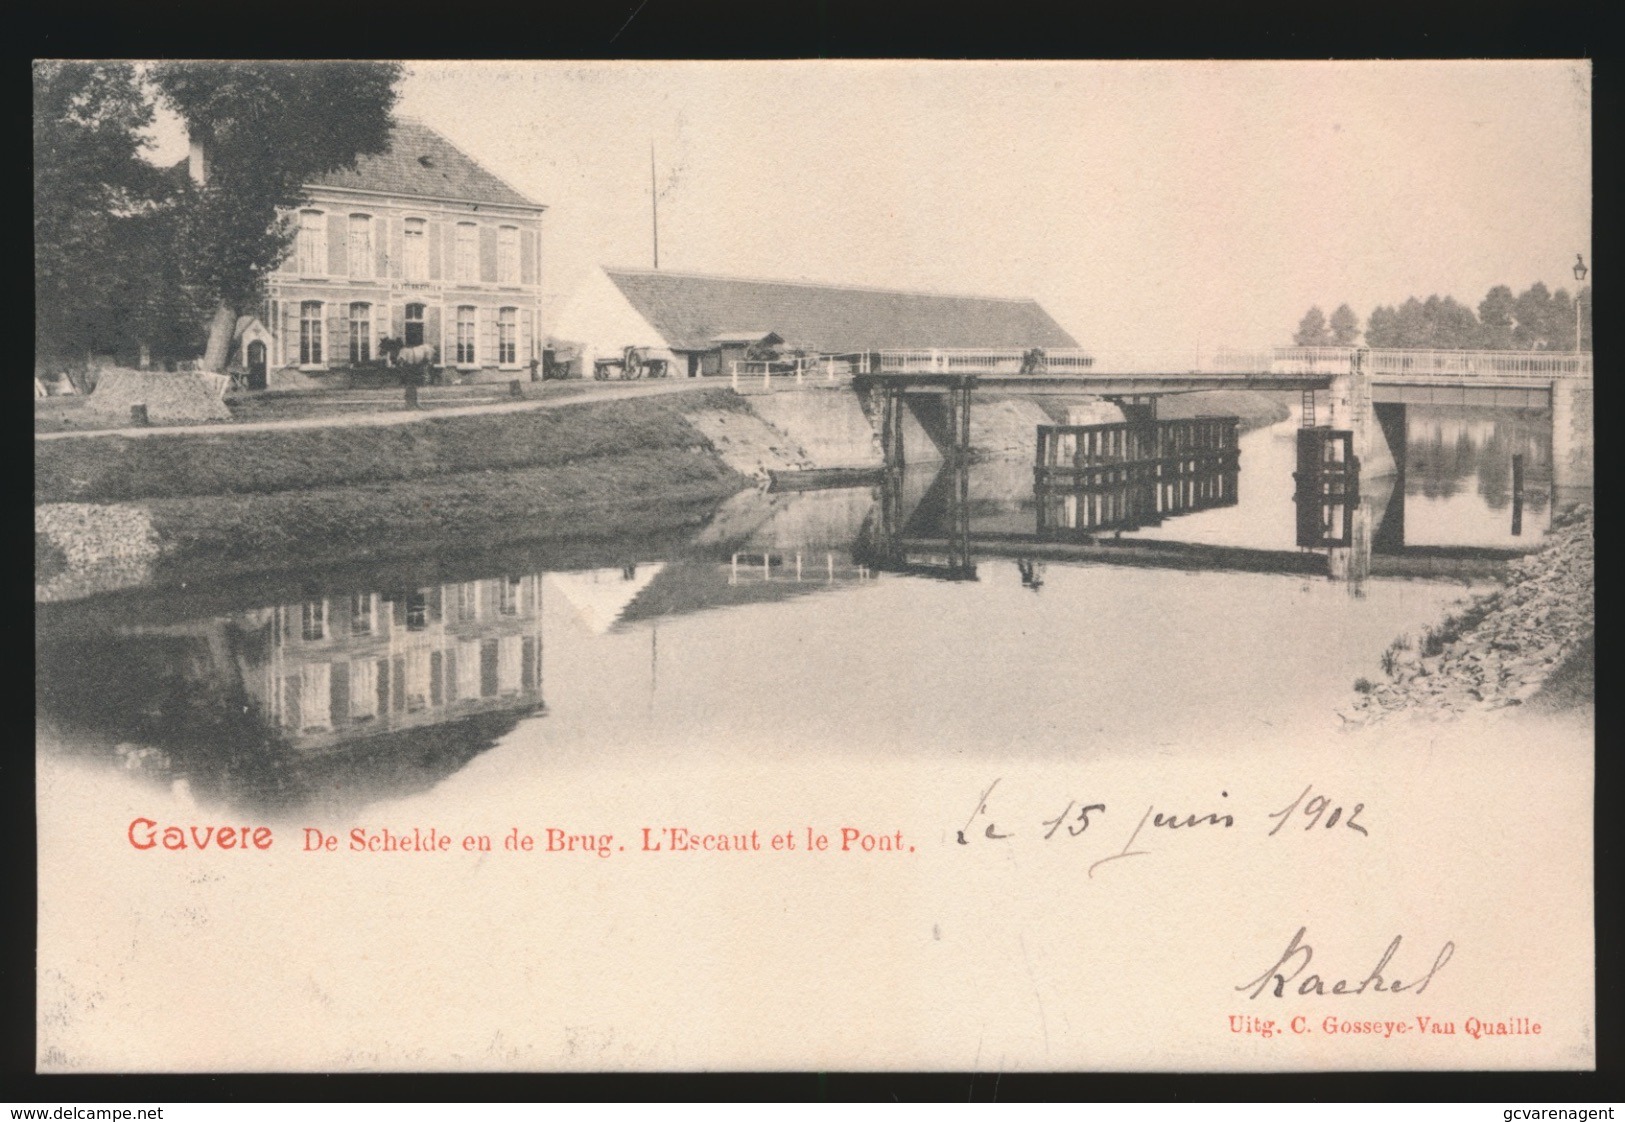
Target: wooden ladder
{"points": [[1308, 420]]}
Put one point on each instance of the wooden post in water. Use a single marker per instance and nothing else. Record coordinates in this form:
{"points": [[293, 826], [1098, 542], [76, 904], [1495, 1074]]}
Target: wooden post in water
{"points": [[1517, 495]]}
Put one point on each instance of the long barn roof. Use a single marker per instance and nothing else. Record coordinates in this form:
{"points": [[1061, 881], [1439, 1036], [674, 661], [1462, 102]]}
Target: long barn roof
{"points": [[690, 310]]}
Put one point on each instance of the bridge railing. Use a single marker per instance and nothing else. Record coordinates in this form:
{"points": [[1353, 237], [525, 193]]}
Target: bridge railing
{"points": [[1284, 361], [823, 369], [952, 360], [1310, 360], [1534, 365]]}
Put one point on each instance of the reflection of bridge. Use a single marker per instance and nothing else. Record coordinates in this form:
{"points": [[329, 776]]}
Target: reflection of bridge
{"points": [[1093, 484]]}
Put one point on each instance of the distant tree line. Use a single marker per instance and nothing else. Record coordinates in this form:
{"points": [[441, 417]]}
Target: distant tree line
{"points": [[1534, 320]]}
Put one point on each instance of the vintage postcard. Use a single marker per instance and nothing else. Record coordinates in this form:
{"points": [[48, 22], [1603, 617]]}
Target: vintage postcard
{"points": [[824, 565]]}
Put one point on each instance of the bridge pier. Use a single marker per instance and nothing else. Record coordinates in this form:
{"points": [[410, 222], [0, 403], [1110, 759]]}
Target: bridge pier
{"points": [[1573, 441], [1351, 407]]}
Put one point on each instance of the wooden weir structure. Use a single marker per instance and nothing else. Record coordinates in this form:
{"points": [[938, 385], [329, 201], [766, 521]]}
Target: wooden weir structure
{"points": [[1092, 478]]}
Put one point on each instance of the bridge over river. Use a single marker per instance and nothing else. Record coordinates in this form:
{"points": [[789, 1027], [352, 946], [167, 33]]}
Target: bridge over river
{"points": [[1093, 482], [1361, 390]]}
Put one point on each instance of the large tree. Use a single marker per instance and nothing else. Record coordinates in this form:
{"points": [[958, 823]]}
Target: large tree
{"points": [[1312, 330], [1531, 312], [265, 129], [95, 200], [1345, 326], [1382, 327], [1495, 318]]}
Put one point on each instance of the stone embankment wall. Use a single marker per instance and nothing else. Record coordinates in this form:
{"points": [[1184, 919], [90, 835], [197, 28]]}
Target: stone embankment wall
{"points": [[1504, 647]]}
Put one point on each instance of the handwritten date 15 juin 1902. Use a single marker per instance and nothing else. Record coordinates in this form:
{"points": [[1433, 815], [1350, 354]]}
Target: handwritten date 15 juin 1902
{"points": [[1313, 811]]}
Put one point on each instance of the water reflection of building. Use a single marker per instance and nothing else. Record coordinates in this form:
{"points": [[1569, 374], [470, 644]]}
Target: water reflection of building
{"points": [[613, 600], [334, 668]]}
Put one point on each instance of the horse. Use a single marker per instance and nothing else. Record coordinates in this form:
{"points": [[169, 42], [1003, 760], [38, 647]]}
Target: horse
{"points": [[418, 360]]}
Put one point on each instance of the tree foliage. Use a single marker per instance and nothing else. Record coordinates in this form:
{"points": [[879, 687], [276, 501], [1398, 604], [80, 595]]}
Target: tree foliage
{"points": [[97, 206], [1312, 330], [1345, 326], [1535, 319], [267, 128]]}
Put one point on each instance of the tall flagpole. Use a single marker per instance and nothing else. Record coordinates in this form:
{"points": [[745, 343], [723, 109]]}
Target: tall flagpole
{"points": [[654, 202]]}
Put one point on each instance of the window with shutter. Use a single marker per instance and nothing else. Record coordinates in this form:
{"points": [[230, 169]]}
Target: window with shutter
{"points": [[360, 333], [361, 252], [467, 327], [312, 244], [508, 255], [467, 260], [414, 325], [310, 333], [508, 337], [417, 250]]}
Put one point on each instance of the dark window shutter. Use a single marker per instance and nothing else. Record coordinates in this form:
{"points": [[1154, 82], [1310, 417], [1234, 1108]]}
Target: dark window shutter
{"points": [[431, 330], [339, 695], [338, 334], [338, 239], [527, 257], [488, 254]]}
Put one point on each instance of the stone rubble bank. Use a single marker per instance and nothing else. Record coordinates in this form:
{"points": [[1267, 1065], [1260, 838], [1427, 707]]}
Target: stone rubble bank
{"points": [[1500, 649], [86, 548]]}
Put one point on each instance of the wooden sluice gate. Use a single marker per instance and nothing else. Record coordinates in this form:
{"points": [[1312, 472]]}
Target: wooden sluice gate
{"points": [[1327, 487], [1093, 478]]}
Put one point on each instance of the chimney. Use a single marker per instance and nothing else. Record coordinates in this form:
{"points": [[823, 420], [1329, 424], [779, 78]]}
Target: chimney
{"points": [[197, 161]]}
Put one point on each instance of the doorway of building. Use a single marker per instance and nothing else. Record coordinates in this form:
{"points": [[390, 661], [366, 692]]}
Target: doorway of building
{"points": [[256, 365]]}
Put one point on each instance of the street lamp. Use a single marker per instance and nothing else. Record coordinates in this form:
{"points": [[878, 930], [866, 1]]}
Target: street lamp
{"points": [[1579, 276]]}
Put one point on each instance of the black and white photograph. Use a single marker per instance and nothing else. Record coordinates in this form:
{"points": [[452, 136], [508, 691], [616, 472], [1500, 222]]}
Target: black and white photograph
{"points": [[824, 565]]}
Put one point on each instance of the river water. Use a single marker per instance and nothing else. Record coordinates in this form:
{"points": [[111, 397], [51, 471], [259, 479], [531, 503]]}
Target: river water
{"points": [[760, 640], [479, 782]]}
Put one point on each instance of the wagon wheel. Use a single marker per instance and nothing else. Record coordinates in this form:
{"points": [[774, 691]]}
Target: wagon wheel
{"points": [[631, 365]]}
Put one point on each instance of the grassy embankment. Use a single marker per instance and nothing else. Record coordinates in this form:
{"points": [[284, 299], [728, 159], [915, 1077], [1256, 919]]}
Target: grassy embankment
{"points": [[77, 413], [295, 497]]}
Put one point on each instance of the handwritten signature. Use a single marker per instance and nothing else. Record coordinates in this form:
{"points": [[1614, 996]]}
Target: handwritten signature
{"points": [[1300, 954]]}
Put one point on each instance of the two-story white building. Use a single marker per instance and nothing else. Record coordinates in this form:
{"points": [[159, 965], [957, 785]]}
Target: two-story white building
{"points": [[419, 243]]}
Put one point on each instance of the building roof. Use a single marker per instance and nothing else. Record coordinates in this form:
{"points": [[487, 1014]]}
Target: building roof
{"points": [[690, 310], [423, 164]]}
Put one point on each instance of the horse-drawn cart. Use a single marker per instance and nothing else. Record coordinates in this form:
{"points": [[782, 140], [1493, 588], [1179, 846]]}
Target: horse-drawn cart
{"points": [[632, 364]]}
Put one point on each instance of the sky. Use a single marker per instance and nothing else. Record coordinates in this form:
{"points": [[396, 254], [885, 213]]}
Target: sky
{"points": [[1169, 207]]}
